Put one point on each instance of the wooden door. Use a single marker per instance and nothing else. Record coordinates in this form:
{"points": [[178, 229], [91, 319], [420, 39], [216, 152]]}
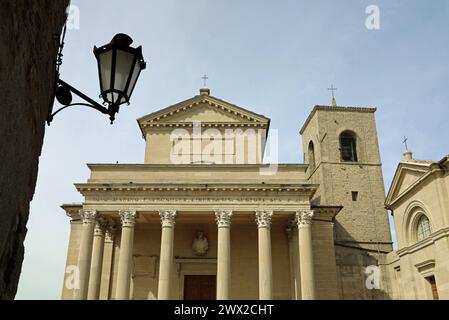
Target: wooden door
{"points": [[433, 286], [200, 287]]}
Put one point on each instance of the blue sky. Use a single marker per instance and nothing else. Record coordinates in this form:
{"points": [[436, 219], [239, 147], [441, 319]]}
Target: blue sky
{"points": [[276, 58]]}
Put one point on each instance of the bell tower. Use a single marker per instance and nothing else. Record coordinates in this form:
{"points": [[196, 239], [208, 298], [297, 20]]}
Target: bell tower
{"points": [[341, 147]]}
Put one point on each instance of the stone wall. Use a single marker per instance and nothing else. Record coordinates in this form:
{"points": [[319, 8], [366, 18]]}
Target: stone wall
{"points": [[362, 233], [27, 56]]}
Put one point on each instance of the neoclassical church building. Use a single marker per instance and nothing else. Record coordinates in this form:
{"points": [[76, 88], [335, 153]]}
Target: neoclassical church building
{"points": [[419, 201], [204, 217]]}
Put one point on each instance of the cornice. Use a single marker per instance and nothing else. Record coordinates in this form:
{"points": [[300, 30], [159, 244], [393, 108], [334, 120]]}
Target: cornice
{"points": [[204, 125], [444, 232], [72, 210], [196, 167], [427, 168], [157, 119], [201, 99], [94, 187], [366, 109], [361, 109], [392, 199], [326, 213], [425, 264]]}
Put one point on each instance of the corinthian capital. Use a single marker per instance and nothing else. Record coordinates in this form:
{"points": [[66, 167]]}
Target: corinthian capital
{"points": [[167, 218], [110, 231], [88, 216], [100, 226], [223, 218], [263, 218], [128, 217], [304, 217]]}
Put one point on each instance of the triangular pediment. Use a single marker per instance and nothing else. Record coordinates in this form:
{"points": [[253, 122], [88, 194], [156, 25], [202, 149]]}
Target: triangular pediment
{"points": [[205, 109], [203, 112], [406, 176]]}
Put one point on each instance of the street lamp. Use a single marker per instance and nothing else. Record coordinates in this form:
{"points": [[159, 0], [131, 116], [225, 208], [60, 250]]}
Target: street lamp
{"points": [[119, 67]]}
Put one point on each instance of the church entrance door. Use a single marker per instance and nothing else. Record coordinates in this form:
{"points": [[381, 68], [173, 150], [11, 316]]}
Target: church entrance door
{"points": [[200, 287]]}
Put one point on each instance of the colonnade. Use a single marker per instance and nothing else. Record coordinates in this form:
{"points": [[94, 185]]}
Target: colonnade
{"points": [[95, 228]]}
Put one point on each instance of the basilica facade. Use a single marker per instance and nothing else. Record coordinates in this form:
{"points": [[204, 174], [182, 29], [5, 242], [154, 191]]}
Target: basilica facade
{"points": [[204, 217]]}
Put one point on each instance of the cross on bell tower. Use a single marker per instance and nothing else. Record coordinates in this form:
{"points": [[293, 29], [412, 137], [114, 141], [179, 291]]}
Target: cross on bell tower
{"points": [[334, 102]]}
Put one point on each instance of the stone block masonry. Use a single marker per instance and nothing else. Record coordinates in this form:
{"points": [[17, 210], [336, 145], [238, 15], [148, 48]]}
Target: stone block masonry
{"points": [[27, 63]]}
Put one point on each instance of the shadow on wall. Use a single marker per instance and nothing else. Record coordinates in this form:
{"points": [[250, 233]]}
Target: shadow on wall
{"points": [[27, 63], [361, 270]]}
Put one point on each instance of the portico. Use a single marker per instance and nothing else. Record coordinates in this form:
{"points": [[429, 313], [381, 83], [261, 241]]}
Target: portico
{"points": [[238, 221]]}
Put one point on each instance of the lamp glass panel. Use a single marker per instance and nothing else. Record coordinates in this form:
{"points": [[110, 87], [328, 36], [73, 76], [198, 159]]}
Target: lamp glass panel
{"points": [[123, 66], [134, 76], [112, 97], [105, 69]]}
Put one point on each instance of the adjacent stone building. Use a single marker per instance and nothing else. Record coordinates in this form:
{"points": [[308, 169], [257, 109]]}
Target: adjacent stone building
{"points": [[419, 202], [28, 47], [204, 218]]}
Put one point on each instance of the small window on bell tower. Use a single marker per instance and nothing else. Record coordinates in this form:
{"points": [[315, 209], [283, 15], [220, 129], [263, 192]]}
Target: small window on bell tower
{"points": [[311, 153], [348, 146]]}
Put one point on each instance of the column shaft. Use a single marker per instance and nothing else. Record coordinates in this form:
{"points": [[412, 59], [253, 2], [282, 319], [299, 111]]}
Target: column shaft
{"points": [[97, 260], [108, 258], [166, 256], [296, 266], [85, 252], [291, 254], [263, 219], [304, 219], [126, 253], [223, 218]]}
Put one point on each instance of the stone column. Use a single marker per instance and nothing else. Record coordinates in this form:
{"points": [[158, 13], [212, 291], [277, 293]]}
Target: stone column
{"points": [[289, 231], [296, 266], [108, 258], [166, 256], [223, 219], [85, 252], [304, 221], [128, 218], [97, 260], [263, 219]]}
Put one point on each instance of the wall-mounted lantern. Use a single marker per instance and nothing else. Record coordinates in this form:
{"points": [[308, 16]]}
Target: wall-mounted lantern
{"points": [[119, 67]]}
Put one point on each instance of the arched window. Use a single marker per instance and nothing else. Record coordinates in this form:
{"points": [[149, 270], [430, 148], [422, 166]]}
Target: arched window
{"points": [[424, 229], [311, 156], [348, 146]]}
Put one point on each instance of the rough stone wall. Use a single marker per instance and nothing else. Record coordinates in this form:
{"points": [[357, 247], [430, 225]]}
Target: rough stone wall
{"points": [[324, 259], [351, 265], [364, 222], [27, 56]]}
